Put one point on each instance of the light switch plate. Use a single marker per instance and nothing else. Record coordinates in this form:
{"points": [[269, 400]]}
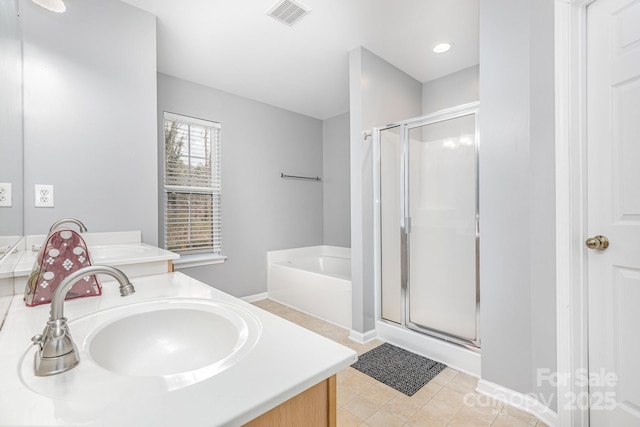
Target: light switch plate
{"points": [[44, 196], [5, 194]]}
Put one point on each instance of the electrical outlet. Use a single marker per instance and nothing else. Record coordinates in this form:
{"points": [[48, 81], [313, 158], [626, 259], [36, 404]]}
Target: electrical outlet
{"points": [[5, 194], [44, 196]]}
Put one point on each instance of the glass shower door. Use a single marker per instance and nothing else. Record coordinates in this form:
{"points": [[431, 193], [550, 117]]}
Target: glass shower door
{"points": [[442, 206], [392, 236]]}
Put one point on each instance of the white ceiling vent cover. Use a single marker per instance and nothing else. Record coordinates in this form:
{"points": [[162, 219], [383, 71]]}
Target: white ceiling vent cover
{"points": [[288, 12]]}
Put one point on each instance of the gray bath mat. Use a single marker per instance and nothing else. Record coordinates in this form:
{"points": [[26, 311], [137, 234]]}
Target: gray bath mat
{"points": [[400, 369]]}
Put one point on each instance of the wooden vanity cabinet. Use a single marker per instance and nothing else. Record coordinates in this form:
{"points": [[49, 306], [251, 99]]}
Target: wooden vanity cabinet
{"points": [[314, 407]]}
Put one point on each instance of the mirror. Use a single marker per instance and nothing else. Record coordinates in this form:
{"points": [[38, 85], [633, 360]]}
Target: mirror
{"points": [[11, 156], [59, 66]]}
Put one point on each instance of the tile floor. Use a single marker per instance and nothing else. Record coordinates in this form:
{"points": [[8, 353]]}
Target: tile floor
{"points": [[447, 400]]}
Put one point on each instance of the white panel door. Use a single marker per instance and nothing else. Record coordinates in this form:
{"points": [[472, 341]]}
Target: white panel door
{"points": [[613, 162]]}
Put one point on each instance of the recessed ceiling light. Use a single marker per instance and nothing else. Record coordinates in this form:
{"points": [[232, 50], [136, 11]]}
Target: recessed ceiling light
{"points": [[442, 47], [52, 5]]}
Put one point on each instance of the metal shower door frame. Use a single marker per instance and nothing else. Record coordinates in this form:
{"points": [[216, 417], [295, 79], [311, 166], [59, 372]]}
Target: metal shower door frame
{"points": [[405, 220]]}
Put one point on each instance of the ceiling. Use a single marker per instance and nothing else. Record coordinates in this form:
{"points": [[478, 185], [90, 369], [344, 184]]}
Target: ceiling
{"points": [[234, 46]]}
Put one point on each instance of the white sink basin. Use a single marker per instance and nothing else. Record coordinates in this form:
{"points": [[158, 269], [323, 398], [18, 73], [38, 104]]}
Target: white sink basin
{"points": [[149, 347], [169, 340]]}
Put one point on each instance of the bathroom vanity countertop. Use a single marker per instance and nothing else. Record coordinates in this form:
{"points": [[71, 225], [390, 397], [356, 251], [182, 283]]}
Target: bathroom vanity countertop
{"points": [[286, 360], [5, 302], [8, 265], [114, 248]]}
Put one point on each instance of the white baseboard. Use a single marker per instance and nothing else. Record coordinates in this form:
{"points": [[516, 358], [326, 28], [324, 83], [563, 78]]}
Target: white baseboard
{"points": [[254, 298], [519, 400], [361, 338]]}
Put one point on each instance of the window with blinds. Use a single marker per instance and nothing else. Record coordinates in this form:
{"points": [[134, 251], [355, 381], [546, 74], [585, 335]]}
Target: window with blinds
{"points": [[193, 191]]}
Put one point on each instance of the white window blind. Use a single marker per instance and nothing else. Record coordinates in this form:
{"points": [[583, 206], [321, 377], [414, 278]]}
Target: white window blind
{"points": [[193, 191]]}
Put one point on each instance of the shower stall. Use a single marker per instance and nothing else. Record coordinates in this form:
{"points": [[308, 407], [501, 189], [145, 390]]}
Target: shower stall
{"points": [[426, 185]]}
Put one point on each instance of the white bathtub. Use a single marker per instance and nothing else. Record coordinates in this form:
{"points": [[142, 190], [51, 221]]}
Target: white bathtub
{"points": [[315, 280]]}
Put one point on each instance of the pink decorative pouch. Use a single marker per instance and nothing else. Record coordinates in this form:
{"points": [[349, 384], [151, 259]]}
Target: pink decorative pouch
{"points": [[63, 253]]}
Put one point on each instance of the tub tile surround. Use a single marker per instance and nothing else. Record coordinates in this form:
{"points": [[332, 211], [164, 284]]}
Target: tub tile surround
{"points": [[285, 361], [448, 400]]}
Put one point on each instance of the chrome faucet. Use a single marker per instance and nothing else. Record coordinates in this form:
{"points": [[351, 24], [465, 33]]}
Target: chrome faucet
{"points": [[57, 224], [57, 352]]}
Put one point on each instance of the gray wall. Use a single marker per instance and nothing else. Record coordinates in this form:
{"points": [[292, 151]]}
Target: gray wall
{"points": [[335, 174], [379, 94], [517, 201], [452, 90], [542, 207], [504, 193], [11, 116], [260, 211], [90, 115]]}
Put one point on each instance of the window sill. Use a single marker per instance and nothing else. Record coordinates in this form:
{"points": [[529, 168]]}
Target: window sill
{"points": [[188, 261]]}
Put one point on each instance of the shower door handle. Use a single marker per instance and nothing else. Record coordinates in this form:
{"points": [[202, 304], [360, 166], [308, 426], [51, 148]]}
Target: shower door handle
{"points": [[404, 237]]}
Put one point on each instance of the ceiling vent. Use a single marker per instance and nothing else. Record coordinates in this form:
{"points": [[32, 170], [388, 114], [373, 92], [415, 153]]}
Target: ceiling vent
{"points": [[288, 12]]}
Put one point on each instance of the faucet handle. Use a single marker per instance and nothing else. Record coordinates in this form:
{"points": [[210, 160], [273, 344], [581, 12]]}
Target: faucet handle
{"points": [[37, 339]]}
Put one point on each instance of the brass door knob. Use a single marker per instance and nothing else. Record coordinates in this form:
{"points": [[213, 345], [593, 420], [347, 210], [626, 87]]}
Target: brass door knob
{"points": [[598, 242]]}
